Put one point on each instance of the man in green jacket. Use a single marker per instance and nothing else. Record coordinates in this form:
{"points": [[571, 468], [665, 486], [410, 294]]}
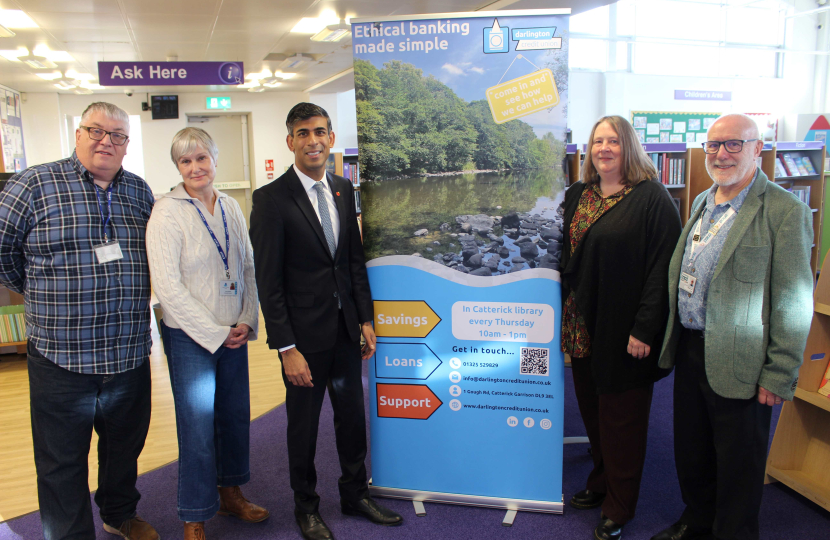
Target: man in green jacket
{"points": [[741, 303]]}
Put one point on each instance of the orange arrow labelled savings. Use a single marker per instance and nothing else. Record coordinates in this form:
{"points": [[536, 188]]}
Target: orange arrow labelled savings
{"points": [[415, 401], [404, 318], [522, 96]]}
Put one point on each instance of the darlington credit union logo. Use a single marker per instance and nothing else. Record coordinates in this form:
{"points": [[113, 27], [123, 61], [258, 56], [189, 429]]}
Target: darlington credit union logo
{"points": [[230, 73]]}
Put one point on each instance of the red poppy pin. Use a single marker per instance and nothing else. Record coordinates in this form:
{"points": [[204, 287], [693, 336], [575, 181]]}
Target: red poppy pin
{"points": [[338, 193]]}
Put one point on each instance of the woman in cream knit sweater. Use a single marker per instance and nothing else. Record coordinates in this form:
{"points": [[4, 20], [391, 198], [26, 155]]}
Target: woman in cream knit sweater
{"points": [[202, 269]]}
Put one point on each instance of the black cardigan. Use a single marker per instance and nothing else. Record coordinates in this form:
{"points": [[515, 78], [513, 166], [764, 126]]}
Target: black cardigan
{"points": [[619, 275]]}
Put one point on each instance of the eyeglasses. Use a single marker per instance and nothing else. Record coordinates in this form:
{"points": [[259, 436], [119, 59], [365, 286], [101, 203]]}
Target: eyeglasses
{"points": [[98, 134], [732, 146]]}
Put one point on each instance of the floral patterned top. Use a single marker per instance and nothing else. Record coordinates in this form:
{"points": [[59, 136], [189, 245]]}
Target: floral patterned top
{"points": [[592, 205]]}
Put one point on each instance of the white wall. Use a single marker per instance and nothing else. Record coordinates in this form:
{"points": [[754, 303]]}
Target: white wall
{"points": [[43, 115], [593, 95]]}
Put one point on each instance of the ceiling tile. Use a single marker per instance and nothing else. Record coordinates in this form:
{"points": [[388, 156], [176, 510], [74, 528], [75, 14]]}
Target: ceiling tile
{"points": [[73, 6]]}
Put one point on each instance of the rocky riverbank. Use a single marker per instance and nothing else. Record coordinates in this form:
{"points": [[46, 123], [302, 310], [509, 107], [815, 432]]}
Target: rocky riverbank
{"points": [[484, 245]]}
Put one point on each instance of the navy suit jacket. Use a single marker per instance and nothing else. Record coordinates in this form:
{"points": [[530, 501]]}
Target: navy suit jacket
{"points": [[299, 281]]}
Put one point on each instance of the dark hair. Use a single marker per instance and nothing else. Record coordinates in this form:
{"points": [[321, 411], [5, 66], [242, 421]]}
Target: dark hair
{"points": [[304, 111], [636, 165]]}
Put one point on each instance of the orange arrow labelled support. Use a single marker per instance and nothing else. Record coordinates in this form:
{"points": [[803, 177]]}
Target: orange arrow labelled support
{"points": [[404, 318], [415, 401]]}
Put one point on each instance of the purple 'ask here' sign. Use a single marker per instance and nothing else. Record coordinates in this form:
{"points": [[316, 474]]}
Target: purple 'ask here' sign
{"points": [[170, 73]]}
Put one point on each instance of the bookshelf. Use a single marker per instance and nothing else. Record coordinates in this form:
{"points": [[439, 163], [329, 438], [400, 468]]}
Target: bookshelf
{"points": [[11, 298], [347, 165], [811, 186], [672, 162], [573, 161], [800, 448]]}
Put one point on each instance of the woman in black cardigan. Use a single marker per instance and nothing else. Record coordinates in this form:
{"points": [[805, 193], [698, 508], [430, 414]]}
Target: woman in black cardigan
{"points": [[620, 230]]}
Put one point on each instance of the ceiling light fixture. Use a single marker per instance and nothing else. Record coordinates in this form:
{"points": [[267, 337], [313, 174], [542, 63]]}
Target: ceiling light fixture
{"points": [[50, 76], [312, 25], [14, 18], [64, 85], [299, 59], [257, 89], [5, 32], [332, 33], [81, 91], [37, 62]]}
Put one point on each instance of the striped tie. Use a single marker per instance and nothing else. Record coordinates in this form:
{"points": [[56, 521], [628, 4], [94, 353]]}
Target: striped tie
{"points": [[325, 217]]}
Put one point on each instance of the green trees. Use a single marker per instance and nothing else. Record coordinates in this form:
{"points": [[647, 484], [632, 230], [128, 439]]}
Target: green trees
{"points": [[411, 124]]}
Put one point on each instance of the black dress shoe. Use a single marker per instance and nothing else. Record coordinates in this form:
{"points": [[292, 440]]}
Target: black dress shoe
{"points": [[681, 531], [371, 510], [607, 529], [312, 526], [587, 499]]}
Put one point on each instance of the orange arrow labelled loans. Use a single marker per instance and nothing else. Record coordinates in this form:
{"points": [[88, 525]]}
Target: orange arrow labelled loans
{"points": [[415, 401], [404, 318]]}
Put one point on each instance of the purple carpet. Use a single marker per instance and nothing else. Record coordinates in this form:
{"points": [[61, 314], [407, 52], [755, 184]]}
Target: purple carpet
{"points": [[784, 514]]}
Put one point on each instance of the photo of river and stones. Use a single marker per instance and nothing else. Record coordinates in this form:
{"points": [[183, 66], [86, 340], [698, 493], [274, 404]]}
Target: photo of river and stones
{"points": [[441, 180]]}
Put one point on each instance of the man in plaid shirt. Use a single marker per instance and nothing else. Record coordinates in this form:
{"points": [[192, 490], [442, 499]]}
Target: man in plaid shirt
{"points": [[72, 242]]}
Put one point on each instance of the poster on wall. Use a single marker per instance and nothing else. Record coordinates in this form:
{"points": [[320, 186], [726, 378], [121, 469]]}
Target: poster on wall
{"points": [[461, 130], [11, 129]]}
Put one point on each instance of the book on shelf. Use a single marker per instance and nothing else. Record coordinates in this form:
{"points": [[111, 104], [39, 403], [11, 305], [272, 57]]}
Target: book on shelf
{"points": [[802, 193], [670, 171], [357, 202], [808, 165], [780, 171], [789, 164], [824, 387], [12, 324]]}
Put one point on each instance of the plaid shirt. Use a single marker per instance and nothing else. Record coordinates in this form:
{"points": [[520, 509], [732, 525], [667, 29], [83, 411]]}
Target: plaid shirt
{"points": [[84, 316]]}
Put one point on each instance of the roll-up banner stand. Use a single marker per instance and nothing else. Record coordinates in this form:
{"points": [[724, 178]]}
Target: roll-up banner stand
{"points": [[461, 130]]}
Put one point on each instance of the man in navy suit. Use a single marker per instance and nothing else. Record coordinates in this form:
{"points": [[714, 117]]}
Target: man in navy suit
{"points": [[315, 297]]}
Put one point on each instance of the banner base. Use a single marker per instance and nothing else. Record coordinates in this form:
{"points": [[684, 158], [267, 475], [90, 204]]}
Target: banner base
{"points": [[520, 505]]}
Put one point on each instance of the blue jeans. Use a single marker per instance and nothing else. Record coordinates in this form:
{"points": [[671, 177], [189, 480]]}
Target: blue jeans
{"points": [[213, 418], [65, 407]]}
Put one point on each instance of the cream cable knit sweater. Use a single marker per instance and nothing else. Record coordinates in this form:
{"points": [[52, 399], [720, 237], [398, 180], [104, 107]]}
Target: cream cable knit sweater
{"points": [[186, 268]]}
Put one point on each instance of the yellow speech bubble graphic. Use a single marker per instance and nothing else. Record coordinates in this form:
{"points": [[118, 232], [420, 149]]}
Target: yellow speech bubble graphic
{"points": [[522, 96]]}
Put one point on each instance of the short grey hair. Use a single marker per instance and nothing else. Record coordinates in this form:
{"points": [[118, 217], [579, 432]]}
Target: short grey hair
{"points": [[188, 139], [109, 110]]}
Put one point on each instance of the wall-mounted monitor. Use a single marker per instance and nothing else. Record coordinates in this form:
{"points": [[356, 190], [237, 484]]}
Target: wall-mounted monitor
{"points": [[165, 107]]}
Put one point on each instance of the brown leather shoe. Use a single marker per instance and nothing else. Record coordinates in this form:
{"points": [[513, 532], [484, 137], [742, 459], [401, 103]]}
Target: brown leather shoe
{"points": [[233, 503], [194, 530], [134, 529]]}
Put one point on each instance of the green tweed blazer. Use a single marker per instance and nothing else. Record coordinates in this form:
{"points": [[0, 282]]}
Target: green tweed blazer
{"points": [[760, 301]]}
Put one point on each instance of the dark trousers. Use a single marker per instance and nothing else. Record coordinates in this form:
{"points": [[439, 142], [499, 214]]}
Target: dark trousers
{"points": [[339, 370], [617, 427], [720, 449], [65, 408]]}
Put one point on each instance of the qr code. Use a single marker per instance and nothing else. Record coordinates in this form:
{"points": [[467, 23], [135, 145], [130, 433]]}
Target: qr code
{"points": [[534, 361]]}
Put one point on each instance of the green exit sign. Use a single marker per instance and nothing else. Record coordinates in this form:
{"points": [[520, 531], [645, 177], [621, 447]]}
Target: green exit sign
{"points": [[218, 103]]}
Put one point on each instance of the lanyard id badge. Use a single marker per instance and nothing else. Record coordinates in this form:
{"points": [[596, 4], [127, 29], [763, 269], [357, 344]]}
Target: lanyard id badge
{"points": [[227, 286], [109, 250], [698, 243], [687, 283]]}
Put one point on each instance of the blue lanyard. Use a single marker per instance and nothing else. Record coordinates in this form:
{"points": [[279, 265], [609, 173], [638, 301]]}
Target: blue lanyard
{"points": [[215, 241], [101, 209]]}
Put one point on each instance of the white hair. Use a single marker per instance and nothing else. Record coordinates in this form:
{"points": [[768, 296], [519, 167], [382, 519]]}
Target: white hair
{"points": [[188, 139], [107, 109]]}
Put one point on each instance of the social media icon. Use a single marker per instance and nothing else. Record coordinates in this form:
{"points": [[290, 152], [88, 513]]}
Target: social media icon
{"points": [[544, 423], [512, 421], [529, 422], [455, 390], [455, 363], [455, 376], [455, 405]]}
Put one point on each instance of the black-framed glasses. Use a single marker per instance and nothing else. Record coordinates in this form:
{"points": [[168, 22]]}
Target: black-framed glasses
{"points": [[98, 134], [733, 146]]}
